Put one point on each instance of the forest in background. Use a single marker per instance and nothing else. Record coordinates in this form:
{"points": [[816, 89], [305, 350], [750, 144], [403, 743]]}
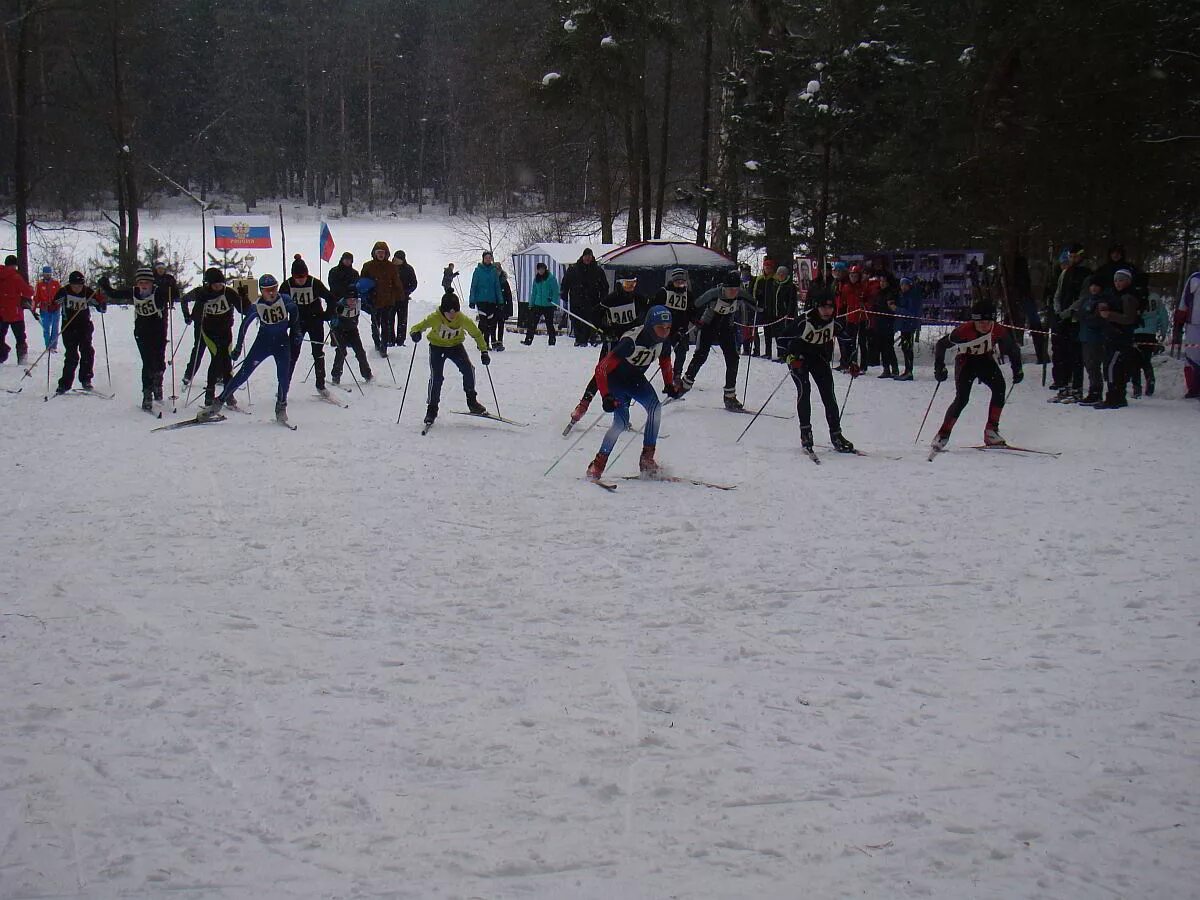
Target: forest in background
{"points": [[813, 126]]}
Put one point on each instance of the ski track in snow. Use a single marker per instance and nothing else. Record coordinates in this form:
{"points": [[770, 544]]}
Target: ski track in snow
{"points": [[354, 662]]}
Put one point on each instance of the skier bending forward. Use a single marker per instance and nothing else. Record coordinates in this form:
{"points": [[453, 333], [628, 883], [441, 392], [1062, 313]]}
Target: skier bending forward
{"points": [[976, 342], [279, 335], [621, 378]]}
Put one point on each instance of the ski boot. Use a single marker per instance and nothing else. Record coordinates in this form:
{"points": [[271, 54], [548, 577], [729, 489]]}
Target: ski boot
{"points": [[22, 358], [806, 437], [367, 377], [59, 391], [646, 463], [527, 343], [147, 401], [939, 442], [1137, 392], [281, 412], [210, 410], [86, 385], [595, 468], [431, 412], [685, 385], [497, 346], [474, 406], [581, 409], [993, 438], [324, 392], [158, 387], [231, 402], [732, 403], [335, 379], [840, 444]]}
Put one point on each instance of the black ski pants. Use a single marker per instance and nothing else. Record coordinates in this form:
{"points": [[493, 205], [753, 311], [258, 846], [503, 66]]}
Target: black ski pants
{"points": [[312, 329], [218, 335], [719, 331], [344, 341], [437, 365], [78, 351], [808, 369], [968, 370], [18, 330], [906, 348], [1067, 360], [537, 314], [152, 346]]}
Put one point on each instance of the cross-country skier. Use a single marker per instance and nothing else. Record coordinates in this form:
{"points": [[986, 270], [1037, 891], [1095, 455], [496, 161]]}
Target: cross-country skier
{"points": [[343, 329], [77, 300], [448, 329], [47, 307], [976, 343], [677, 297], [280, 333], [713, 312], [808, 357], [621, 378], [212, 312], [149, 316], [308, 293], [619, 311]]}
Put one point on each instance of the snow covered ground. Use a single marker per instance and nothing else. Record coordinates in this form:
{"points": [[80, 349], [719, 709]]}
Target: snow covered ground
{"points": [[352, 661]]}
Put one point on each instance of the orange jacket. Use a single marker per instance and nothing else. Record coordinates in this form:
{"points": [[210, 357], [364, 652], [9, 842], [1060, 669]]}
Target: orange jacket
{"points": [[43, 296]]}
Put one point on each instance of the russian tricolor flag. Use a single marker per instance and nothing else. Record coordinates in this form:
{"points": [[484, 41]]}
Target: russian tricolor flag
{"points": [[327, 244], [241, 232]]}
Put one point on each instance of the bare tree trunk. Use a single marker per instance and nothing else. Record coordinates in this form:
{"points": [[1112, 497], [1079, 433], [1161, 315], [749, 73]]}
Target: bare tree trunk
{"points": [[127, 190], [633, 223], [421, 168], [310, 192], [604, 174], [344, 173], [664, 143], [21, 136], [705, 126], [370, 127], [821, 226]]}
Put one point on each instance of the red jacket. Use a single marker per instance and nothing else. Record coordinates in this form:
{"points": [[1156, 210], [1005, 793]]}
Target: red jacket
{"points": [[13, 289], [850, 303], [43, 296]]}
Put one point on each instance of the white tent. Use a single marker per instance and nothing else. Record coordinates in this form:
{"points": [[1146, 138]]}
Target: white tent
{"points": [[556, 257], [651, 261]]}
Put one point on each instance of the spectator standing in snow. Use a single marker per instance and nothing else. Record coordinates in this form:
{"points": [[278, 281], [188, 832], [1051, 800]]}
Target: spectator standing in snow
{"points": [[388, 290], [1149, 333], [342, 277], [908, 321], [487, 298], [408, 281], [47, 307], [542, 304], [583, 287]]}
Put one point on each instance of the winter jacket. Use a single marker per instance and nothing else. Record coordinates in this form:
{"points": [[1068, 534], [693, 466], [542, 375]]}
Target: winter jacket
{"points": [[388, 287], [1123, 317], [583, 287], [13, 289], [485, 286], [77, 313], [850, 303], [408, 277], [1091, 326], [43, 296], [444, 333], [778, 300], [544, 291], [908, 310], [1154, 321], [341, 279], [448, 275], [1071, 285]]}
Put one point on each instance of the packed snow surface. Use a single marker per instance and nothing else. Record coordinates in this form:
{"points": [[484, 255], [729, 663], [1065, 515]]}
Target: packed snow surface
{"points": [[352, 661]]}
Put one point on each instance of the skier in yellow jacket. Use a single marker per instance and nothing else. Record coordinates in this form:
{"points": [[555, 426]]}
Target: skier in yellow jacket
{"points": [[448, 329]]}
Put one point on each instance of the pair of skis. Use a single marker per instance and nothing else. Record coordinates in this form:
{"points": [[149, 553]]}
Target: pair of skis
{"points": [[495, 418], [1053, 454], [674, 479]]}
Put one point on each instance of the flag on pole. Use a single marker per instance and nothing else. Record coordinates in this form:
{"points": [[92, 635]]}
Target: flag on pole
{"points": [[241, 232], [327, 244]]}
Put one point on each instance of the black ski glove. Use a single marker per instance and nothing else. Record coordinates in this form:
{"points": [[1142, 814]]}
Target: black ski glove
{"points": [[485, 358], [610, 403], [416, 336], [940, 374], [1018, 376]]}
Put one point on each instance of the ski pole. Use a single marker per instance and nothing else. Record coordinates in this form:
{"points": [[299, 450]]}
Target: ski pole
{"points": [[104, 335], [764, 406], [1043, 374], [313, 364], [842, 411], [936, 388], [404, 396], [574, 444], [171, 340], [495, 399], [1010, 390], [390, 369], [746, 383]]}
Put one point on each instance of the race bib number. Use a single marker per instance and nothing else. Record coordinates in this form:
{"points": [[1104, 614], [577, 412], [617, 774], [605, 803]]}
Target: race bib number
{"points": [[145, 306], [448, 334], [677, 301], [217, 306], [818, 336], [271, 313], [74, 302], [622, 315], [644, 356], [980, 346], [723, 307], [302, 295]]}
